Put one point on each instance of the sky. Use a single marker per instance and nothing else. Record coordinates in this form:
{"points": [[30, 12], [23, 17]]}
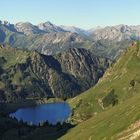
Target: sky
{"points": [[82, 13]]}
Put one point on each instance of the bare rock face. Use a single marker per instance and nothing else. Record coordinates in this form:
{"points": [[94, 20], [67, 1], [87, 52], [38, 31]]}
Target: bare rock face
{"points": [[49, 27], [69, 73], [116, 33], [57, 42], [83, 65], [111, 33], [27, 28]]}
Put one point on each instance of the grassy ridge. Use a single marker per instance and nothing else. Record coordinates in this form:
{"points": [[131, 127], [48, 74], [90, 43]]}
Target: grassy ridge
{"points": [[105, 123], [119, 77]]}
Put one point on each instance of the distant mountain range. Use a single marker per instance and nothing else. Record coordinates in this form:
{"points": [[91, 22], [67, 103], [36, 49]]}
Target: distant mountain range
{"points": [[28, 28], [48, 38]]}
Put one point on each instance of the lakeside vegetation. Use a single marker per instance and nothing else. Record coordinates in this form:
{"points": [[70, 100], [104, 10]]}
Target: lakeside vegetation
{"points": [[12, 129]]}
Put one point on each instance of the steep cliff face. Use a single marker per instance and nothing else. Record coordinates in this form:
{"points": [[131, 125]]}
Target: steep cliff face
{"points": [[48, 70], [83, 65], [30, 74]]}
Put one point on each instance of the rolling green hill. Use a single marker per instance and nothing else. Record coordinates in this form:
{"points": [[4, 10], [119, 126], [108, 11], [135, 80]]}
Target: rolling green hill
{"points": [[112, 105]]}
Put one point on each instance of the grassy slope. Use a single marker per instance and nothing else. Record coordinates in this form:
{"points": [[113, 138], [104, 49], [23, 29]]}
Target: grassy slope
{"points": [[118, 77], [108, 123], [13, 56], [111, 120]]}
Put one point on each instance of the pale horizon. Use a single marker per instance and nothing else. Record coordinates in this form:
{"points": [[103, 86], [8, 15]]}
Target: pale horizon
{"points": [[79, 13]]}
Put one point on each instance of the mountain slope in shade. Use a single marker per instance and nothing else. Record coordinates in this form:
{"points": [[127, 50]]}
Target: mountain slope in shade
{"points": [[26, 74]]}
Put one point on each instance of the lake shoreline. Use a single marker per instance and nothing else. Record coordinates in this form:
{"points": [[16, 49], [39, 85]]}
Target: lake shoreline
{"points": [[24, 103], [53, 112]]}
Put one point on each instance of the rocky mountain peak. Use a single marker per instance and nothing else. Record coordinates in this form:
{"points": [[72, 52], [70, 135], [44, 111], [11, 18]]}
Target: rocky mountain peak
{"points": [[50, 27], [27, 28], [123, 28], [5, 22]]}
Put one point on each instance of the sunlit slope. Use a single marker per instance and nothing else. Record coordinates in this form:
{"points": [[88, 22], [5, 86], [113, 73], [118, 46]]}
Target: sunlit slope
{"points": [[123, 78], [108, 124]]}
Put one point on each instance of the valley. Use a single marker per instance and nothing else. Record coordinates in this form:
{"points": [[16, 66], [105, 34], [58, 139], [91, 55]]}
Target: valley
{"points": [[96, 73]]}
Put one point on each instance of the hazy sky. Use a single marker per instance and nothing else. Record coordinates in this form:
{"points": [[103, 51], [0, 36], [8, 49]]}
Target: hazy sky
{"points": [[82, 13]]}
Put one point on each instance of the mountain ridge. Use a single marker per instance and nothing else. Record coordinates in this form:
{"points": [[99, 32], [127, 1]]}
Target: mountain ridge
{"points": [[30, 74], [103, 42]]}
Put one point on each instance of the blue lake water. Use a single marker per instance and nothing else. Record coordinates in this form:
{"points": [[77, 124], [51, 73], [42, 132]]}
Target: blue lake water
{"points": [[51, 112]]}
